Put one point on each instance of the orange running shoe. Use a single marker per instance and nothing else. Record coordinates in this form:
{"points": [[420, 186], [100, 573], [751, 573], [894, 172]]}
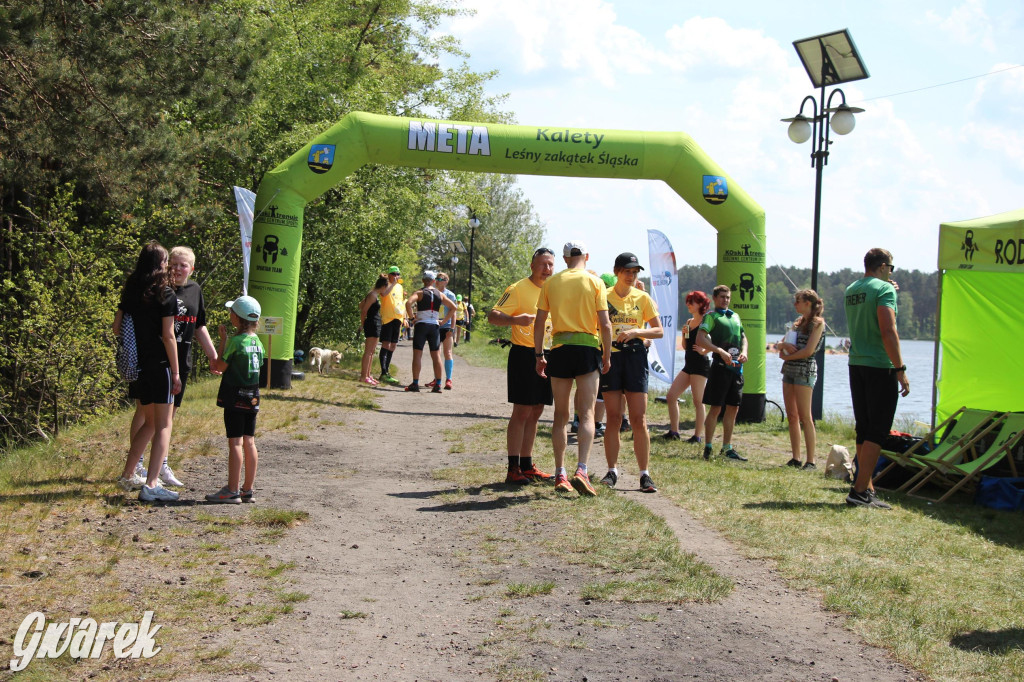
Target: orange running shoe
{"points": [[515, 475], [582, 484], [536, 474], [562, 484]]}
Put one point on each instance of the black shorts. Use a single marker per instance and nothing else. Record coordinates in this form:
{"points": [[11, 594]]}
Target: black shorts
{"points": [[371, 328], [569, 362], [181, 393], [525, 386], [724, 387], [238, 424], [629, 372], [389, 332], [696, 364], [461, 323], [153, 387], [425, 333], [444, 332], [875, 393]]}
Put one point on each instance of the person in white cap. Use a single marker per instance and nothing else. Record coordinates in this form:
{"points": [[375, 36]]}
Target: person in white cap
{"points": [[240, 360], [577, 304], [429, 303]]}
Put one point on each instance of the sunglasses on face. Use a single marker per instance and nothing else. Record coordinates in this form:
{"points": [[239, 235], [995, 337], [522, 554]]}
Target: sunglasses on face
{"points": [[892, 268], [542, 251]]}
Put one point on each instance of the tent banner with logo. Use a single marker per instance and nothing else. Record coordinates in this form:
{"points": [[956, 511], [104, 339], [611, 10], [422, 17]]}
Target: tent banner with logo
{"points": [[361, 138], [981, 315]]}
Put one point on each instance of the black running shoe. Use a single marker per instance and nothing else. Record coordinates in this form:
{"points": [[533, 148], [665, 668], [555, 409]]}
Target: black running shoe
{"points": [[413, 388], [598, 430], [694, 439], [793, 463], [671, 435], [647, 485], [809, 467], [732, 454], [625, 425], [574, 427], [610, 479], [436, 388], [865, 499], [707, 451]]}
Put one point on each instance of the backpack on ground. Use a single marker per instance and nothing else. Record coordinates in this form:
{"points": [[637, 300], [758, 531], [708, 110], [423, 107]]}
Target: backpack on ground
{"points": [[839, 464], [127, 355]]}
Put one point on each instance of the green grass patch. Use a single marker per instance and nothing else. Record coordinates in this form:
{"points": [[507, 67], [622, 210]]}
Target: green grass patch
{"points": [[480, 352], [348, 615], [526, 590]]}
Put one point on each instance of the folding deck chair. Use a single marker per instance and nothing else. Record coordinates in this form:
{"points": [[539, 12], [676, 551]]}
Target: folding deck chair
{"points": [[948, 470], [960, 431]]}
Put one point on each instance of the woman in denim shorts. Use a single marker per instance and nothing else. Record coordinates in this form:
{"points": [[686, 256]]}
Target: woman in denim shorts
{"points": [[800, 372]]}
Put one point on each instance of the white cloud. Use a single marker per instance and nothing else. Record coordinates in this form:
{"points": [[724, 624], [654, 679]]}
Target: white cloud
{"points": [[967, 24]]}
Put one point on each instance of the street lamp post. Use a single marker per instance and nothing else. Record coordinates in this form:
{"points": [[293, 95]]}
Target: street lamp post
{"points": [[830, 59], [473, 224]]}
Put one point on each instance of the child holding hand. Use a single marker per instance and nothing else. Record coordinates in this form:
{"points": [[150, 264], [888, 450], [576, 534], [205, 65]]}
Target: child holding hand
{"points": [[240, 360]]}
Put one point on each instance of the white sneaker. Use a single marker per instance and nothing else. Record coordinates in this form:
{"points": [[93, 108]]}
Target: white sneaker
{"points": [[168, 477], [157, 494], [140, 470], [133, 483]]}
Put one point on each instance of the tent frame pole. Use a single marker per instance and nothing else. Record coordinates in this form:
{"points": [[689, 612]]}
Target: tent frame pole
{"points": [[937, 347]]}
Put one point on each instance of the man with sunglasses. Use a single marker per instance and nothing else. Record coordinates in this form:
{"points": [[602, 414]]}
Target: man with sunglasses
{"points": [[528, 392], [447, 331], [877, 373]]}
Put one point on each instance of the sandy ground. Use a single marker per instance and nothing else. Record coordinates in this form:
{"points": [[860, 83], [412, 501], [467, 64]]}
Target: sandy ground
{"points": [[383, 545]]}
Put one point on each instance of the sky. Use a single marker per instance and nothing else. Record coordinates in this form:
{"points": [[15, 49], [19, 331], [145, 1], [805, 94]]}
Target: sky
{"points": [[725, 74]]}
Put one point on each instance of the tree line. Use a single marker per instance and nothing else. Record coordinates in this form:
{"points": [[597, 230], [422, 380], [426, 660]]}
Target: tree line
{"points": [[917, 301], [130, 120]]}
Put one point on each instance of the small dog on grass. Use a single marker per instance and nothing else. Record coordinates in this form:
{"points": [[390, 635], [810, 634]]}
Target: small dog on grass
{"points": [[323, 359]]}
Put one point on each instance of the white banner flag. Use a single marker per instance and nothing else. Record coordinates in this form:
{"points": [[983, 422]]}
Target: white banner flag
{"points": [[665, 292], [246, 202]]}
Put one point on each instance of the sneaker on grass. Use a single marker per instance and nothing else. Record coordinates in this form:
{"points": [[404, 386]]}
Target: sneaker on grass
{"points": [[809, 466], [133, 483], [793, 463], [598, 430], [224, 496], [707, 452], [671, 435], [246, 496], [732, 454], [157, 494], [582, 484], [535, 474], [694, 439], [140, 470], [647, 484], [610, 479], [515, 476], [865, 499], [167, 476], [562, 484]]}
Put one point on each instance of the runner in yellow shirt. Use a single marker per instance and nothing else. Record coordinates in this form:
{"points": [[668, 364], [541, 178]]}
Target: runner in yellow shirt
{"points": [[392, 316], [577, 304], [527, 391], [631, 311]]}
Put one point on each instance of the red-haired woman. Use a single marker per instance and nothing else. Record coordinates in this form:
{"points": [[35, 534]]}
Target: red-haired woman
{"points": [[695, 371], [800, 372]]}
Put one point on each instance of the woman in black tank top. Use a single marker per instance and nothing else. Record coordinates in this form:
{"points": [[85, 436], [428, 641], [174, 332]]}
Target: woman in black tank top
{"points": [[695, 371], [369, 318]]}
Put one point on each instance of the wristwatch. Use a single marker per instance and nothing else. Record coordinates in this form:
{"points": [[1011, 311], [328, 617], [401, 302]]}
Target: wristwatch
{"points": [[901, 369], [538, 355]]}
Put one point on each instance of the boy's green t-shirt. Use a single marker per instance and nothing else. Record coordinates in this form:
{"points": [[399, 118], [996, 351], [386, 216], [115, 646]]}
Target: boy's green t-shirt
{"points": [[863, 298], [726, 331], [244, 354]]}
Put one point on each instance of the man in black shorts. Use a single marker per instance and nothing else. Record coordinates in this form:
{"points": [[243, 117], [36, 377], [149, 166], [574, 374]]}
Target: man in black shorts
{"points": [[392, 311], [721, 332], [877, 372], [527, 391], [429, 302], [581, 338]]}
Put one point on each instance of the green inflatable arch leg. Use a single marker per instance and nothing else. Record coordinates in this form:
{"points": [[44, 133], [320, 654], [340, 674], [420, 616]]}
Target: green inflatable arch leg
{"points": [[362, 138]]}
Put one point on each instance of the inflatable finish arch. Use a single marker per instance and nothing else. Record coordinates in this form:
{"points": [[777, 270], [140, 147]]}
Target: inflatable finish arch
{"points": [[362, 138]]}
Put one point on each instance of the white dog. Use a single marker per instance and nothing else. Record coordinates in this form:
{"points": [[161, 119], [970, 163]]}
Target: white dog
{"points": [[323, 359]]}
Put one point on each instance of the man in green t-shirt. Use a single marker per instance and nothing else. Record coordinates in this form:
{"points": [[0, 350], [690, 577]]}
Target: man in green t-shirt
{"points": [[877, 373], [721, 332]]}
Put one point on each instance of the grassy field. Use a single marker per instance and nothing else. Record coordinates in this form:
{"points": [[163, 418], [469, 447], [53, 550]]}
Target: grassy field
{"points": [[75, 545], [940, 586]]}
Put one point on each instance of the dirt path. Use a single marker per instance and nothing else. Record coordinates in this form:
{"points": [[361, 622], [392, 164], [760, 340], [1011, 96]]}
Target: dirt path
{"points": [[395, 575]]}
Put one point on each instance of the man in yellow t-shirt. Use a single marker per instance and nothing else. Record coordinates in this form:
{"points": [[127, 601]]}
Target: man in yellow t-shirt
{"points": [[527, 391], [631, 311], [577, 305], [392, 316]]}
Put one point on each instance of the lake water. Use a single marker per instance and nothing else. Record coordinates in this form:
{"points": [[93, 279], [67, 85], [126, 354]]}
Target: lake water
{"points": [[918, 356]]}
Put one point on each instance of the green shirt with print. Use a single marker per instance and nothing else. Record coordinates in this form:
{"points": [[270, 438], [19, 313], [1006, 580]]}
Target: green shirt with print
{"points": [[863, 298], [244, 355], [726, 331]]}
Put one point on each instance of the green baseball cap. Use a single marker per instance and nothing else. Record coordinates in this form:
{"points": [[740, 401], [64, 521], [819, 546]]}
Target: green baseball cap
{"points": [[393, 270]]}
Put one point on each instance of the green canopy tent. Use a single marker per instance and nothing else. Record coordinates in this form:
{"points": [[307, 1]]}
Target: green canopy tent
{"points": [[361, 138], [980, 323]]}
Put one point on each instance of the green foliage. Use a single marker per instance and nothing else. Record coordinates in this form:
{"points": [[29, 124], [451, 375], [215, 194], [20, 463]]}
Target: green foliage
{"points": [[917, 297]]}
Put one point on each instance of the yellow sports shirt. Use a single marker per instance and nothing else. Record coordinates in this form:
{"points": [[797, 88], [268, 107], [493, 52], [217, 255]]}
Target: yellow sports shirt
{"points": [[518, 299], [573, 298], [392, 306], [630, 312]]}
